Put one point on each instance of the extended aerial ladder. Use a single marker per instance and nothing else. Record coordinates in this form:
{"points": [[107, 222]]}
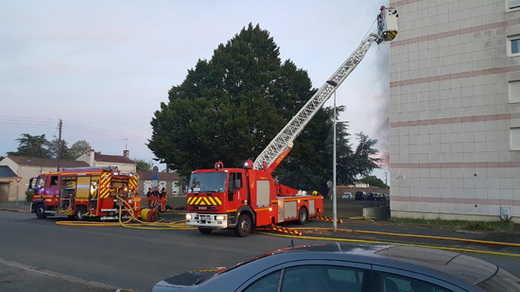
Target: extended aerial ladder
{"points": [[280, 146], [249, 197]]}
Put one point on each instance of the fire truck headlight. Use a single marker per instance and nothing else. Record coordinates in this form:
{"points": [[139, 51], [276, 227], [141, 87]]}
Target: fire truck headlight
{"points": [[188, 216], [220, 217]]}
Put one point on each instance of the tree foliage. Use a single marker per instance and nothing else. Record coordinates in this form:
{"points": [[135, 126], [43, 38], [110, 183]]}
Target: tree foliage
{"points": [[142, 165], [229, 108], [58, 149], [316, 161], [358, 163], [77, 149], [374, 181], [32, 146], [40, 147]]}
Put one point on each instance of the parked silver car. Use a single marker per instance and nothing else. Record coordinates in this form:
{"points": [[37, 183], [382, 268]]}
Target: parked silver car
{"points": [[347, 195], [347, 267]]}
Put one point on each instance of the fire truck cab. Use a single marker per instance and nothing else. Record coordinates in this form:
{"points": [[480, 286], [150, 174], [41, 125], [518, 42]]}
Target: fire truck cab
{"points": [[85, 192]]}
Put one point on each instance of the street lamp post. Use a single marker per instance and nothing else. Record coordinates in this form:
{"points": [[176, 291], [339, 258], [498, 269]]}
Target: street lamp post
{"points": [[334, 195]]}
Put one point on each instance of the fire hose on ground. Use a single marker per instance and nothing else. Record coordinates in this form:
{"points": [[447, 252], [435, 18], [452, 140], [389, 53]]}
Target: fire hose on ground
{"points": [[134, 222]]}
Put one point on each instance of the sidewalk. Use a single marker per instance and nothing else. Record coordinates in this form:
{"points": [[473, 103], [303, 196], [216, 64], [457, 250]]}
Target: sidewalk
{"points": [[20, 206]]}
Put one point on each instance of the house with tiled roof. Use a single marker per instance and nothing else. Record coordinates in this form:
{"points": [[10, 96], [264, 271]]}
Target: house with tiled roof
{"points": [[24, 168], [93, 159], [7, 183]]}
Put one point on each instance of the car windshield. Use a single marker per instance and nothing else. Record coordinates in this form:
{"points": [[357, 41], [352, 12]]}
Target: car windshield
{"points": [[208, 182]]}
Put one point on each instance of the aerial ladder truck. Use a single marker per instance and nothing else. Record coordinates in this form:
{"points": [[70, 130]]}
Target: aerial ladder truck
{"points": [[249, 197]]}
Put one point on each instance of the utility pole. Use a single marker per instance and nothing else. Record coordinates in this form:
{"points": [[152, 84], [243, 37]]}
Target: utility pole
{"points": [[60, 145]]}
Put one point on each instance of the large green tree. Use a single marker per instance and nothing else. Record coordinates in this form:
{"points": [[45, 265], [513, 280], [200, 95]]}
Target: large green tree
{"points": [[58, 149], [32, 146], [229, 108], [142, 165], [373, 181], [360, 162], [77, 149]]}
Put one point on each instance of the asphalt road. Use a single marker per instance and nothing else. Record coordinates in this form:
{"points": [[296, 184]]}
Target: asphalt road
{"points": [[106, 258], [41, 255]]}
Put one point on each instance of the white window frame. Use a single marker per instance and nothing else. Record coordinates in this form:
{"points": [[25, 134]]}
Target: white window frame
{"points": [[510, 40], [514, 134], [512, 5], [514, 91]]}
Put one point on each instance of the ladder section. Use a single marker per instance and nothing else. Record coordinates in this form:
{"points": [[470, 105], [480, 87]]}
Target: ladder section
{"points": [[286, 136]]}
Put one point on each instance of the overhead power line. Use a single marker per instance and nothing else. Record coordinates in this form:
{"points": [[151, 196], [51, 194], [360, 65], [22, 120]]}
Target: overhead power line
{"points": [[43, 124], [30, 121], [103, 132]]}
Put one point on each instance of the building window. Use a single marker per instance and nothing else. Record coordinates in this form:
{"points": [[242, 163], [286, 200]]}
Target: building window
{"points": [[514, 45], [513, 4], [514, 91], [515, 138]]}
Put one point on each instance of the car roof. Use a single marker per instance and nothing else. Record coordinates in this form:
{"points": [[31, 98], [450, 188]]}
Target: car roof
{"points": [[454, 267], [445, 266]]}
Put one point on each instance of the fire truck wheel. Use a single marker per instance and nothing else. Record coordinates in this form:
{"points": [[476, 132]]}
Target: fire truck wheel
{"points": [[40, 211], [205, 230], [80, 213], [244, 226], [303, 216]]}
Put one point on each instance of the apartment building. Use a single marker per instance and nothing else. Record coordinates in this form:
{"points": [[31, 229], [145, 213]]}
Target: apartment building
{"points": [[454, 109]]}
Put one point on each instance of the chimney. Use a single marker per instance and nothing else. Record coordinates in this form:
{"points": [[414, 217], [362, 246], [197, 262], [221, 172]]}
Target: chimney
{"points": [[126, 153], [91, 154]]}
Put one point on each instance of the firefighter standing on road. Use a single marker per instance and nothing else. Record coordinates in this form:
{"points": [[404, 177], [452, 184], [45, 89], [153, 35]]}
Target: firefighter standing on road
{"points": [[137, 203], [149, 198], [163, 197], [155, 198]]}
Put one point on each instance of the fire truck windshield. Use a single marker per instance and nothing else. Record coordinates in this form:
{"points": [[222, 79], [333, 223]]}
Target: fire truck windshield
{"points": [[40, 181], [208, 182]]}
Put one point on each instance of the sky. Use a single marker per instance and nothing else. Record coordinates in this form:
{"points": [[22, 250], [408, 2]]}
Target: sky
{"points": [[104, 66]]}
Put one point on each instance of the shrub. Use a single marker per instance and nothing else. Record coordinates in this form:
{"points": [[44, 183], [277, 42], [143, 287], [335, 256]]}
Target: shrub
{"points": [[29, 196]]}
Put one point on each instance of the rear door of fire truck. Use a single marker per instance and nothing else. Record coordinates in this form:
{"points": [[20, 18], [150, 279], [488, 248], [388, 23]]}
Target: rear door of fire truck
{"points": [[81, 198], [104, 202], [67, 194], [93, 194], [74, 193]]}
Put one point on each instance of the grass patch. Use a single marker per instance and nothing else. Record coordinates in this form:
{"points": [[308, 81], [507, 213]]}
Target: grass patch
{"points": [[457, 224], [176, 201]]}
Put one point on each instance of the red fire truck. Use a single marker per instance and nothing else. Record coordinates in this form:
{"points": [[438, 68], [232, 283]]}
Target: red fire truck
{"points": [[85, 192], [244, 198]]}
